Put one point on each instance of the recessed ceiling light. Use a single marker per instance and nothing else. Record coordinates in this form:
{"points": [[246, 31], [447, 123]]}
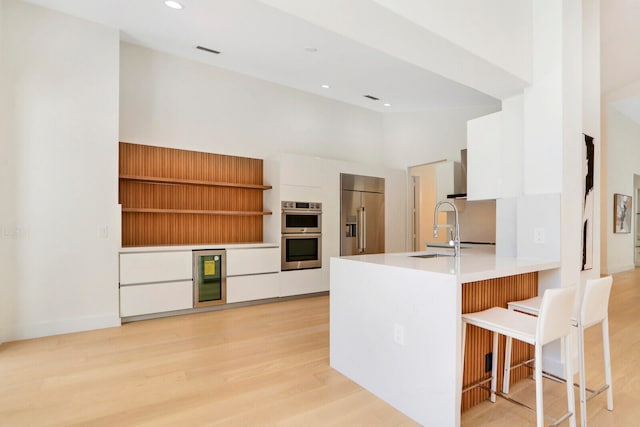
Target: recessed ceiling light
{"points": [[386, 104], [173, 4], [326, 86], [311, 49]]}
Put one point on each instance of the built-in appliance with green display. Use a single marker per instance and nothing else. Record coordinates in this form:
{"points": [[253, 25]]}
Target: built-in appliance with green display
{"points": [[209, 278]]}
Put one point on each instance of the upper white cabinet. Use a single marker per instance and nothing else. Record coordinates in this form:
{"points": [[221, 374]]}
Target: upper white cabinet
{"points": [[494, 154], [484, 140]]}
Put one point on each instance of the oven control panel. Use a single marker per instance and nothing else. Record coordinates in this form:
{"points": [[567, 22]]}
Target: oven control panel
{"points": [[302, 205]]}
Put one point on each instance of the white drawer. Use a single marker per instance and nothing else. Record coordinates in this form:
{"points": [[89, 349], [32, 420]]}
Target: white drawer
{"points": [[299, 282], [155, 267], [155, 298], [252, 261], [248, 288]]}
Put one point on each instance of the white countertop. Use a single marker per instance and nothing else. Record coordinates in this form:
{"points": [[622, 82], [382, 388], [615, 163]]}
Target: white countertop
{"points": [[475, 263], [139, 249]]}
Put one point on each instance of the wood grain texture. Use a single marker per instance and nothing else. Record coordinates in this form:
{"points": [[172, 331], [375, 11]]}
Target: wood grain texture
{"points": [[481, 295], [263, 365], [158, 180], [172, 197]]}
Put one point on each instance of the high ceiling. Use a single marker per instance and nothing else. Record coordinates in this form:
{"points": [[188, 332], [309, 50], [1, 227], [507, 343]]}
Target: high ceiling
{"points": [[620, 43], [620, 53], [264, 42]]}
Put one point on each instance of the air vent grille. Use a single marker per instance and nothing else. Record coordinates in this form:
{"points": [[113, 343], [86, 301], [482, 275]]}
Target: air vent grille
{"points": [[206, 49]]}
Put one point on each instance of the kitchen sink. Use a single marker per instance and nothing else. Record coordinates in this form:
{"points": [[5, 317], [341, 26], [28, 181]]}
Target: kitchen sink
{"points": [[431, 256]]}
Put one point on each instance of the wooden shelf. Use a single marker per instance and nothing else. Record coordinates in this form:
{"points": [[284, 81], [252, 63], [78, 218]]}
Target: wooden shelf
{"points": [[194, 211], [178, 197], [177, 181]]}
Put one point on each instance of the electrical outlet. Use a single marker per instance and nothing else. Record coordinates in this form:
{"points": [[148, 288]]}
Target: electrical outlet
{"points": [[398, 333], [538, 235]]}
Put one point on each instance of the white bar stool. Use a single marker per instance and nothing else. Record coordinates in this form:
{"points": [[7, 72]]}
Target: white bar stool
{"points": [[594, 309], [552, 323]]}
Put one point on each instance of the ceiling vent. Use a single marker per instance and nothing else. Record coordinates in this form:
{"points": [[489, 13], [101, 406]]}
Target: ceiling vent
{"points": [[372, 97], [206, 49]]}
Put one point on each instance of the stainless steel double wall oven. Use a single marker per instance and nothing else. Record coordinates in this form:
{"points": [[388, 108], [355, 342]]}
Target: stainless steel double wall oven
{"points": [[301, 235]]}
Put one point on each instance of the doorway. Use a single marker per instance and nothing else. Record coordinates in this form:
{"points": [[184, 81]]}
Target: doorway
{"points": [[422, 201]]}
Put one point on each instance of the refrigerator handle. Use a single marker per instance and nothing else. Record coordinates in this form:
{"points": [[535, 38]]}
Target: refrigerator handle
{"points": [[360, 229], [357, 235], [364, 230]]}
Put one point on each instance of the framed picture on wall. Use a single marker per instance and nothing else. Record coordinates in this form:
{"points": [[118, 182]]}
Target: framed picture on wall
{"points": [[622, 212]]}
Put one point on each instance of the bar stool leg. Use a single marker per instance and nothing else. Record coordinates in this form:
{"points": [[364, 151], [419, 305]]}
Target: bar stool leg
{"points": [[494, 367], [507, 365], [571, 403], [538, 377], [607, 361], [462, 344], [581, 371]]}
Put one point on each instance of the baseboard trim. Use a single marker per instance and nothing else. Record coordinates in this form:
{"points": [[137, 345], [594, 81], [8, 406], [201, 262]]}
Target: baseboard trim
{"points": [[61, 326], [620, 269]]}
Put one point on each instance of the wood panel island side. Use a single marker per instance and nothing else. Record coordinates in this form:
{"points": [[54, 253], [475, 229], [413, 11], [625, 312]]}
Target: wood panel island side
{"points": [[395, 325]]}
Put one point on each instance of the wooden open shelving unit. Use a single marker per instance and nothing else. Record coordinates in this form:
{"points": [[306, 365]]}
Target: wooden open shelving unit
{"points": [[180, 197]]}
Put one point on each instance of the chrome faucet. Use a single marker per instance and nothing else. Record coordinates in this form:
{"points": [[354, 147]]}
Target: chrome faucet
{"points": [[456, 240]]}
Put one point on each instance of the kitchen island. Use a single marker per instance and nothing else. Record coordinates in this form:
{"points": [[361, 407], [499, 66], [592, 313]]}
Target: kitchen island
{"points": [[395, 325]]}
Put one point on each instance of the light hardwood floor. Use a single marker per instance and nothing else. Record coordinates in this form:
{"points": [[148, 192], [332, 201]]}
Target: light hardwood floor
{"points": [[260, 365]]}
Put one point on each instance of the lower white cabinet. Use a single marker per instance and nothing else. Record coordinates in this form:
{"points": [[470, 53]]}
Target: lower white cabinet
{"points": [[252, 287], [151, 267], [299, 282], [155, 298], [241, 262]]}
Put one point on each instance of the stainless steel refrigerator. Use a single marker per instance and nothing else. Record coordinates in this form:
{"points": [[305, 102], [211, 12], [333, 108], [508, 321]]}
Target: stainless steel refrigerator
{"points": [[361, 215]]}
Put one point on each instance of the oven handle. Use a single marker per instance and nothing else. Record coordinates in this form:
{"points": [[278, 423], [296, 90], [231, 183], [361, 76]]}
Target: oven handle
{"points": [[300, 235], [302, 212]]}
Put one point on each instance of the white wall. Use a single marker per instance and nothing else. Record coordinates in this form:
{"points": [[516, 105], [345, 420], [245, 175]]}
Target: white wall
{"points": [[499, 31], [61, 100], [623, 162], [7, 178], [174, 102], [417, 138], [591, 116], [616, 169]]}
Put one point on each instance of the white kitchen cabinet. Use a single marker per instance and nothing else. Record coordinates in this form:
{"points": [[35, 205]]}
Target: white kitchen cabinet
{"points": [[484, 142], [299, 282], [252, 287], [153, 298], [252, 274], [149, 267], [242, 262], [494, 154]]}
